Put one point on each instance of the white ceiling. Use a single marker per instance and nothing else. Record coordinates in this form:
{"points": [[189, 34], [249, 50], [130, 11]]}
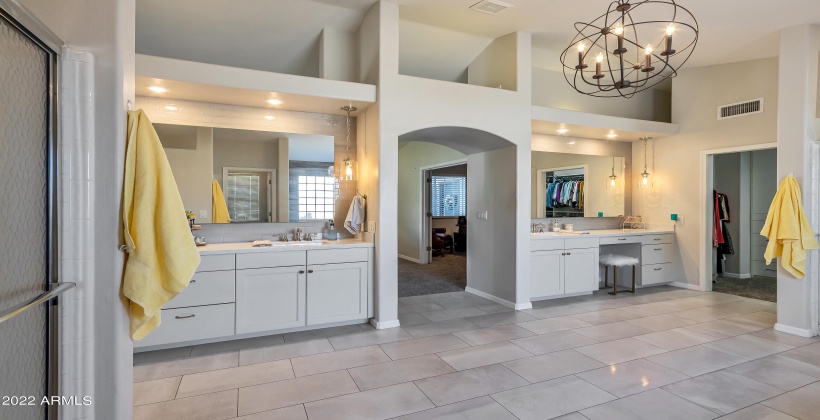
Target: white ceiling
{"points": [[283, 35]]}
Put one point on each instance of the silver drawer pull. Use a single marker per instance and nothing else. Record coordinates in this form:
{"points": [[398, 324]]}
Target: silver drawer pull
{"points": [[657, 239], [621, 239], [301, 271], [185, 316], [310, 271], [658, 249], [192, 281], [658, 269]]}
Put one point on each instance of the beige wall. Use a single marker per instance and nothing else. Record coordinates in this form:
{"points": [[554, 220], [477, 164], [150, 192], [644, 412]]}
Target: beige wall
{"points": [[192, 172], [675, 162], [495, 67], [412, 157], [597, 198], [550, 89]]}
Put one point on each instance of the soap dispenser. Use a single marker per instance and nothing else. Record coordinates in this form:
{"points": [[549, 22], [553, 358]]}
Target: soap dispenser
{"points": [[330, 233]]}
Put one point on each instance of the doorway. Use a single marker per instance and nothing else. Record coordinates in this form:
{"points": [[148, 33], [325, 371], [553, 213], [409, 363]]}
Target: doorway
{"points": [[743, 184]]}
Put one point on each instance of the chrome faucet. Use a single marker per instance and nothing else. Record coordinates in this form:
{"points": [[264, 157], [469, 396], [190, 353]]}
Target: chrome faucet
{"points": [[284, 237], [539, 226], [298, 235]]}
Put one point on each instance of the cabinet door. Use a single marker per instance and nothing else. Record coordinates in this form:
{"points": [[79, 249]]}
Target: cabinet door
{"points": [[581, 270], [336, 292], [270, 299], [546, 278]]}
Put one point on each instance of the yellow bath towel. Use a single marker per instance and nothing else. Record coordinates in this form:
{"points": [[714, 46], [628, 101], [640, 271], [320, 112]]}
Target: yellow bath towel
{"points": [[162, 256], [788, 229], [219, 209]]}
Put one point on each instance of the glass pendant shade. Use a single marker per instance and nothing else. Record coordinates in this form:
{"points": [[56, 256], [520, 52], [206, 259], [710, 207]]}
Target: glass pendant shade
{"points": [[644, 181], [612, 182], [349, 170]]}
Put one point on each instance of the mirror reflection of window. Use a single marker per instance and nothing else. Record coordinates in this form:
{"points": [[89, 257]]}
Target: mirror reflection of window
{"points": [[316, 197], [449, 195], [242, 195]]}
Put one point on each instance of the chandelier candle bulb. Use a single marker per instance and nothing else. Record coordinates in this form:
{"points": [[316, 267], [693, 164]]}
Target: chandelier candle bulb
{"points": [[668, 41], [581, 64], [598, 60], [648, 64]]}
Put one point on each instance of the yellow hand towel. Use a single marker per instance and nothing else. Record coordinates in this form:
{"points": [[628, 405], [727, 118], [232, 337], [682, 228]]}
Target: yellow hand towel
{"points": [[219, 209], [788, 229], [162, 256]]}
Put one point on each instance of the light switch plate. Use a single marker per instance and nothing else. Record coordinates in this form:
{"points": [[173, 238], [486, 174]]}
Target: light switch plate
{"points": [[203, 214], [482, 215], [681, 220], [371, 227]]}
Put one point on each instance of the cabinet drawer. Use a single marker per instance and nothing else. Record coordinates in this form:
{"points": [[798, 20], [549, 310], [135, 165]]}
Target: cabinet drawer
{"points": [[581, 243], [336, 256], [270, 259], [657, 254], [189, 324], [667, 238], [546, 245], [614, 240], [208, 288], [656, 273], [220, 262]]}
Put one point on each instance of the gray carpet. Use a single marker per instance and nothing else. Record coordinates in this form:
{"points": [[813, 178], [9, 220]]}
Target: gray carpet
{"points": [[757, 287], [446, 274]]}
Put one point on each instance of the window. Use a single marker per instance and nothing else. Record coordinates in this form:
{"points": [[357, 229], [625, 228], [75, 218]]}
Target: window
{"points": [[316, 197], [243, 197], [449, 196]]}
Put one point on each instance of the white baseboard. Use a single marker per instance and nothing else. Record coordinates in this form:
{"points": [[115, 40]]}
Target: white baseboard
{"points": [[496, 299], [405, 257], [737, 276], [685, 285], [384, 325], [801, 332]]}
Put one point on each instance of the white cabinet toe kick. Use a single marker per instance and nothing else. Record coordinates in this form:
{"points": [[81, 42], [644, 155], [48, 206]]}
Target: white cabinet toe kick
{"points": [[567, 265], [251, 294]]}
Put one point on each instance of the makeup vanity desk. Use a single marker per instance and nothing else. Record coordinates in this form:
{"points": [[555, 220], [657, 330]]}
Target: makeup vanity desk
{"points": [[566, 264]]}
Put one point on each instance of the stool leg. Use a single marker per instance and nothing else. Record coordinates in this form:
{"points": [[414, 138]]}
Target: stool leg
{"points": [[606, 277], [614, 280], [633, 280]]}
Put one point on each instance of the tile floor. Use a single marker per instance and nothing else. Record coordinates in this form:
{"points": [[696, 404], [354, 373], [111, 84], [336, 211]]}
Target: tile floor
{"points": [[663, 353]]}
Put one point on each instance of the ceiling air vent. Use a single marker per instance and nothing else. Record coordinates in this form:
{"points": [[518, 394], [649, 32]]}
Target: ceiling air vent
{"points": [[739, 109], [490, 6]]}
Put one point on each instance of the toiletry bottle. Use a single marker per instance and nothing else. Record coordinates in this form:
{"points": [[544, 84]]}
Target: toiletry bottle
{"points": [[330, 233]]}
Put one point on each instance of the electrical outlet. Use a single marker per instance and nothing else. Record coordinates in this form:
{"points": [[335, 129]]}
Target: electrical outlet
{"points": [[203, 214], [680, 220], [371, 227]]}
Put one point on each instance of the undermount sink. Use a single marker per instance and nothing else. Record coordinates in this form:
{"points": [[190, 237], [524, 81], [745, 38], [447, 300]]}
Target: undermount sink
{"points": [[296, 244]]}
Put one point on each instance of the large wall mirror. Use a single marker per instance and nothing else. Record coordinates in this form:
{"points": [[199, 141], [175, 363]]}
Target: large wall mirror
{"points": [[577, 185], [264, 177]]}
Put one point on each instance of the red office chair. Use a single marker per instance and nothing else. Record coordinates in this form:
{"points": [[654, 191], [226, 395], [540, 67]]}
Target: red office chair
{"points": [[441, 240]]}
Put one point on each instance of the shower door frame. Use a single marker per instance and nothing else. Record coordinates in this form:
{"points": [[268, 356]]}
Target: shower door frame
{"points": [[38, 33]]}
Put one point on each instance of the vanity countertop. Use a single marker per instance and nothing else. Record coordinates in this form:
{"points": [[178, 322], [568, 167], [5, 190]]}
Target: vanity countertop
{"points": [[600, 233], [247, 248]]}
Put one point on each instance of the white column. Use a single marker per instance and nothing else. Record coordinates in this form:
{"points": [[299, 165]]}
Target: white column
{"points": [[796, 115]]}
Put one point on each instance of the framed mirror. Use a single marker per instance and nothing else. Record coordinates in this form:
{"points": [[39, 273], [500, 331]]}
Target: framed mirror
{"points": [[259, 176], [577, 185]]}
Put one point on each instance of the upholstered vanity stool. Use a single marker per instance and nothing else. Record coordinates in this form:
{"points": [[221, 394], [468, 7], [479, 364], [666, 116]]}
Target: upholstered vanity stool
{"points": [[615, 261]]}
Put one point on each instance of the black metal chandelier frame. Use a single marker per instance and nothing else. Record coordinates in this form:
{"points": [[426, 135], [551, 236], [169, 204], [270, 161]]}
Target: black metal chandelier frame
{"points": [[628, 77]]}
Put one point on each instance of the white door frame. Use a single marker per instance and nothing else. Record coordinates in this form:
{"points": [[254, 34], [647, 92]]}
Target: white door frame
{"points": [[707, 184], [271, 185], [425, 222]]}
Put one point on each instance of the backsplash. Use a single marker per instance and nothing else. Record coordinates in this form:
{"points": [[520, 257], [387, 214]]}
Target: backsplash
{"points": [[247, 232], [585, 223]]}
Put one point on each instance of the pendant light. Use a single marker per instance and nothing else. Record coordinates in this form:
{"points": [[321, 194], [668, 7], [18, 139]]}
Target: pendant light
{"points": [[349, 170], [644, 182], [613, 180]]}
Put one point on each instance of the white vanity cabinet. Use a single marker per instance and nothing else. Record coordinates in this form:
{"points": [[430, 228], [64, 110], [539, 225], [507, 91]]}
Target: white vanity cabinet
{"points": [[336, 292], [563, 266], [657, 257], [270, 299]]}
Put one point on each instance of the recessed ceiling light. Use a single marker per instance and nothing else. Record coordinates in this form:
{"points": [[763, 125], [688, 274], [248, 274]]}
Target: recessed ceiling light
{"points": [[269, 117], [274, 102], [611, 135], [562, 130], [157, 89], [571, 143], [172, 108]]}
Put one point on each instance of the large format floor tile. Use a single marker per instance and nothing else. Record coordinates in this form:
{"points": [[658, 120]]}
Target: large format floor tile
{"points": [[549, 325], [422, 346], [294, 412], [296, 337], [724, 328], [782, 372], [369, 338], [284, 351], [438, 328], [468, 384], [557, 341], [493, 334], [487, 354], [382, 403], [609, 332], [809, 354], [785, 338], [405, 370], [482, 408], [801, 403], [185, 366], [158, 390], [694, 361], [447, 314], [158, 356], [344, 359], [619, 351], [500, 318], [624, 379], [651, 405], [676, 339], [232, 345], [723, 392], [266, 397], [218, 406], [661, 322], [552, 365], [748, 346], [607, 316], [232, 378], [551, 399], [758, 412]]}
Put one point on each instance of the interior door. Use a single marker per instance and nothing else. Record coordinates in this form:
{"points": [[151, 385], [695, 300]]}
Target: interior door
{"points": [[27, 116], [427, 229]]}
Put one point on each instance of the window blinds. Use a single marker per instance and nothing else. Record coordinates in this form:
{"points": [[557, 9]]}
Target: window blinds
{"points": [[449, 196]]}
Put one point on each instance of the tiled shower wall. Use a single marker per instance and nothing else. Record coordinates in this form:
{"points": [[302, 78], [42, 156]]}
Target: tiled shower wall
{"points": [[252, 118]]}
